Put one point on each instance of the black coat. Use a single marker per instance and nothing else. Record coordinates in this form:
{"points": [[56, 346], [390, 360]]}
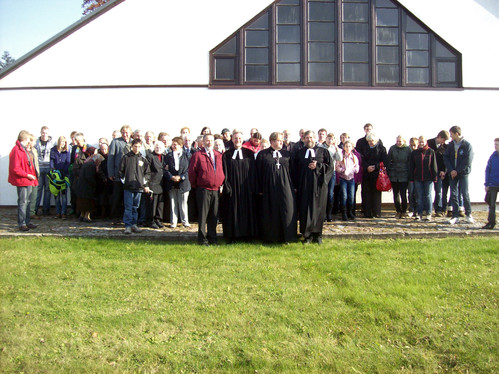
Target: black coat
{"points": [[134, 169], [439, 153], [157, 165], [373, 156], [89, 177], [423, 165], [183, 170]]}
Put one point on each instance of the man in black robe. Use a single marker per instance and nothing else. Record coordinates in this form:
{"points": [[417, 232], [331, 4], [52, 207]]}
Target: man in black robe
{"points": [[238, 203], [274, 173], [313, 173]]}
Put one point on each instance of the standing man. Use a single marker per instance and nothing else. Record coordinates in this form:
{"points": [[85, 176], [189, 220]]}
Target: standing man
{"points": [[321, 137], [43, 146], [287, 144], [239, 213], [116, 152], [135, 173], [274, 179], [492, 185], [22, 174], [458, 158], [441, 187], [206, 175], [313, 173], [228, 143], [300, 143]]}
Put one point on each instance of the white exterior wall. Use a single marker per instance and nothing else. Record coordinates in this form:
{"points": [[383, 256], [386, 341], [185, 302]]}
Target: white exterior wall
{"points": [[142, 42]]}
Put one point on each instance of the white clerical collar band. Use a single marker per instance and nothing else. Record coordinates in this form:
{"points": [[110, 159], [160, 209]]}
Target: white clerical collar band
{"points": [[310, 153], [276, 154], [236, 152]]}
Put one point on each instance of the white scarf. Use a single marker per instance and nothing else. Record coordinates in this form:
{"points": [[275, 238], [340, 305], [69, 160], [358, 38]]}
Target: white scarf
{"points": [[176, 157], [236, 152], [310, 152], [276, 154]]}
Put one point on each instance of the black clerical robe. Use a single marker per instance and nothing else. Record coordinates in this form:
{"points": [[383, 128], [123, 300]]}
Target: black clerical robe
{"points": [[312, 186], [274, 177], [238, 203]]}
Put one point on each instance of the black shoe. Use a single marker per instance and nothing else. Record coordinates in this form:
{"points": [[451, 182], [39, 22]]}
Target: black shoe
{"points": [[160, 225], [318, 240], [32, 226], [344, 216], [23, 228], [307, 240], [154, 225], [489, 226]]}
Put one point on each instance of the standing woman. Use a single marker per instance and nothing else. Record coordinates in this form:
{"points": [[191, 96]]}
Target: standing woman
{"points": [[346, 169], [86, 188], [60, 159], [423, 171], [155, 202], [399, 157], [413, 201], [177, 182], [336, 155], [374, 154]]}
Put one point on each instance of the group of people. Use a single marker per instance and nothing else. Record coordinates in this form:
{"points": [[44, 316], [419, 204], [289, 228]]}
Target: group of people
{"points": [[256, 188]]}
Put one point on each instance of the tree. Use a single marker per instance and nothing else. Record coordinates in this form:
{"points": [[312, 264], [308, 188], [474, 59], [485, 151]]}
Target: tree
{"points": [[90, 5], [6, 60]]}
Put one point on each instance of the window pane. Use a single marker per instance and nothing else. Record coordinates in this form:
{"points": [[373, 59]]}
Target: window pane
{"points": [[417, 41], [321, 73], [257, 73], [417, 58], [260, 23], [288, 14], [288, 34], [321, 52], [353, 52], [356, 73], [387, 36], [387, 74], [288, 53], [355, 32], [225, 69], [385, 4], [320, 12], [446, 72], [387, 17], [443, 51], [257, 55], [412, 26], [292, 2], [228, 48], [418, 75], [257, 38], [387, 55], [321, 31], [355, 12], [288, 72]]}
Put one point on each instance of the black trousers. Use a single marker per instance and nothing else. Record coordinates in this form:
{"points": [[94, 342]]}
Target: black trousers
{"points": [[207, 202], [154, 208], [117, 200], [371, 199], [491, 200], [400, 192]]}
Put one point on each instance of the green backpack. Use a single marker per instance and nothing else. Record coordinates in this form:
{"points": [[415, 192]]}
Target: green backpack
{"points": [[57, 183]]}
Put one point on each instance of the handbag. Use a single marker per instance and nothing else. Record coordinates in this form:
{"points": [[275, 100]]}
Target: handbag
{"points": [[383, 182]]}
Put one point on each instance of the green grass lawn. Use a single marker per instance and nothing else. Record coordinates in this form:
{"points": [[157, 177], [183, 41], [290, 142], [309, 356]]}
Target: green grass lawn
{"points": [[81, 305]]}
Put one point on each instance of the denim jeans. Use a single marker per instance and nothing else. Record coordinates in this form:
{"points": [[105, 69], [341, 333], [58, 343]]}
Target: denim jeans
{"points": [[347, 191], [23, 202], [131, 200], [459, 186], [441, 189], [423, 193], [61, 202], [43, 189], [330, 189]]}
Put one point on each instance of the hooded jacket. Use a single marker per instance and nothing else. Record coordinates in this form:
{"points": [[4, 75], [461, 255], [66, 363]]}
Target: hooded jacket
{"points": [[21, 163], [134, 171]]}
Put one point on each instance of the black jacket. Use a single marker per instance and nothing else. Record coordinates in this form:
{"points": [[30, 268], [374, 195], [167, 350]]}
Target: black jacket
{"points": [[183, 171], [157, 165], [373, 157], [423, 165], [439, 153], [135, 171]]}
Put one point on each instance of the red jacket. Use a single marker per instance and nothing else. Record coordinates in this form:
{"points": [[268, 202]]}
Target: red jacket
{"points": [[20, 167], [202, 173]]}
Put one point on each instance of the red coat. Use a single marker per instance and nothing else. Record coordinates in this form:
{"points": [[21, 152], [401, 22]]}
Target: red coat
{"points": [[20, 167], [202, 173]]}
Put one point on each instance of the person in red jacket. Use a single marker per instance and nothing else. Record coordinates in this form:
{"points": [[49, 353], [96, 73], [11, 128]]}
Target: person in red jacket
{"points": [[206, 176], [22, 174]]}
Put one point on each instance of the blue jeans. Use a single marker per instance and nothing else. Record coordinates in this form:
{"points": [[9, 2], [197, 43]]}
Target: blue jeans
{"points": [[61, 202], [132, 202], [347, 189], [441, 188], [423, 193], [330, 189], [459, 186], [43, 189], [23, 202]]}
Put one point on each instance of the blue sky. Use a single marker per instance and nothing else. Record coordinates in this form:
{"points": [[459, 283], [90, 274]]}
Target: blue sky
{"points": [[25, 24]]}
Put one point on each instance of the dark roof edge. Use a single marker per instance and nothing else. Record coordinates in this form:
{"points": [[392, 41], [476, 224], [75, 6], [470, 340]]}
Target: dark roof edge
{"points": [[60, 36]]}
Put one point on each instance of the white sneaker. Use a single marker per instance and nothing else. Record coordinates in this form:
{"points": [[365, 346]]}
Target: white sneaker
{"points": [[127, 231], [187, 224], [470, 219], [453, 221], [428, 218], [173, 226], [134, 228]]}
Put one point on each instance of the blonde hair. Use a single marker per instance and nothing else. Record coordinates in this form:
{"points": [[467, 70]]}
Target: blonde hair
{"points": [[59, 141]]}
